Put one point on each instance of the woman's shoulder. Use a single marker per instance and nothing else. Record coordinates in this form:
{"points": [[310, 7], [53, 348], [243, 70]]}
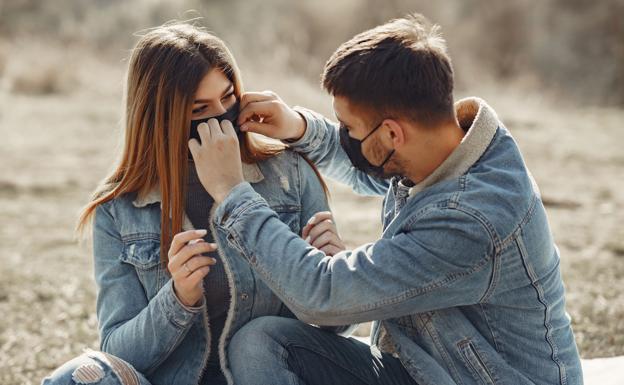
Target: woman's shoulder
{"points": [[126, 210], [284, 163]]}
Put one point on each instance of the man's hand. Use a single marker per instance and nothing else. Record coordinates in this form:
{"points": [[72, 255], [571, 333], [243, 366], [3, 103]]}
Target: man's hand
{"points": [[266, 114], [321, 232], [217, 158]]}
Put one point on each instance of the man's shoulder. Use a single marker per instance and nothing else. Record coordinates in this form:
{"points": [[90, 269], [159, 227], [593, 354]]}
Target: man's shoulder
{"points": [[499, 187]]}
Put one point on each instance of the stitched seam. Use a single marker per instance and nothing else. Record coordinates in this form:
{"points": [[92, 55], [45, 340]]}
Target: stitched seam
{"points": [[496, 267], [486, 224], [540, 296], [129, 238], [441, 349], [467, 345], [492, 333], [409, 294], [527, 217]]}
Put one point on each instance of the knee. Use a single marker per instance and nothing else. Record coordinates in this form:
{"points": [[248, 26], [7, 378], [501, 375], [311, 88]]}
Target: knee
{"points": [[250, 339], [90, 367], [261, 340], [80, 370]]}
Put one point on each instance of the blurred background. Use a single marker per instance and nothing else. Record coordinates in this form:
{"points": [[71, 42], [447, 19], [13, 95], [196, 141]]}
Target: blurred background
{"points": [[554, 71]]}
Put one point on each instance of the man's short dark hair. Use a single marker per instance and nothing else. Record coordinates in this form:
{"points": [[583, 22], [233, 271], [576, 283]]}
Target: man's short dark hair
{"points": [[400, 69]]}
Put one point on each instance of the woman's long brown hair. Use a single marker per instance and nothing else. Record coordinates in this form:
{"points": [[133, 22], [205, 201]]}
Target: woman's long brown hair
{"points": [[165, 69]]}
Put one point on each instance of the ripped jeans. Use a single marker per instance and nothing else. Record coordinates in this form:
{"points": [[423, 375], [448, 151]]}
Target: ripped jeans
{"points": [[93, 367]]}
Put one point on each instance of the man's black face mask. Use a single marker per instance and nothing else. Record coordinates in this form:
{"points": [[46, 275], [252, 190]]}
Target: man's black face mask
{"points": [[353, 148]]}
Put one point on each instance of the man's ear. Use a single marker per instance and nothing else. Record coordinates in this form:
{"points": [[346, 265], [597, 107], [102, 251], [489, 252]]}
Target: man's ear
{"points": [[397, 132]]}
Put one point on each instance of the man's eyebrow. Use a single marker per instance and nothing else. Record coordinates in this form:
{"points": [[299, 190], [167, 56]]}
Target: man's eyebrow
{"points": [[226, 91]]}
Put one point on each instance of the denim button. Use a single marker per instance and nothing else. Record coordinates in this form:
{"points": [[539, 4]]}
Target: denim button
{"points": [[244, 296]]}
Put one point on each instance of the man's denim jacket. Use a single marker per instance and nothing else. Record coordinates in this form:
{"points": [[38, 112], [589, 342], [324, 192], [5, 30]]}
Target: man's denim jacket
{"points": [[464, 283], [140, 318]]}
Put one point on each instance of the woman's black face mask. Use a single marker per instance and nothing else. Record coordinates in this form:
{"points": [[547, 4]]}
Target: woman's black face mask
{"points": [[231, 115]]}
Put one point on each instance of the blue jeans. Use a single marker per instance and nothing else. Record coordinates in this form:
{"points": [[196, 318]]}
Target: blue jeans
{"points": [[94, 367], [275, 350]]}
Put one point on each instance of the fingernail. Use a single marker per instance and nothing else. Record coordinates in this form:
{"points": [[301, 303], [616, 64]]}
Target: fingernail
{"points": [[214, 260], [308, 239], [201, 232], [243, 128], [311, 220]]}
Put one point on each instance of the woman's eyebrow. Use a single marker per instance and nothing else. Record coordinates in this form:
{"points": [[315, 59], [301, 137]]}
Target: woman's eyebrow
{"points": [[226, 91]]}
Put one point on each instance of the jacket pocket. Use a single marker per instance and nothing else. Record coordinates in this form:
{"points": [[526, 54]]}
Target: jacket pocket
{"points": [[144, 256], [475, 363], [290, 215]]}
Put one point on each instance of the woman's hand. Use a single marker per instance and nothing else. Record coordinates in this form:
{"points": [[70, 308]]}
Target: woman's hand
{"points": [[266, 114], [187, 266], [321, 232], [217, 158]]}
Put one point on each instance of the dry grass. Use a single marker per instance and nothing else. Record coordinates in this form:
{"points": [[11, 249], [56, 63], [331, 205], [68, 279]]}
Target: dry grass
{"points": [[55, 147]]}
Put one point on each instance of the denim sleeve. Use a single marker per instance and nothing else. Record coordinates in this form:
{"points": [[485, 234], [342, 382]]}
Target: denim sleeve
{"points": [[444, 260], [321, 144], [313, 200], [128, 322]]}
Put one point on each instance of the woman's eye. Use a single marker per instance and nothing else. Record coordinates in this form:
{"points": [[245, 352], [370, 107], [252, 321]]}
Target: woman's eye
{"points": [[198, 110], [226, 97]]}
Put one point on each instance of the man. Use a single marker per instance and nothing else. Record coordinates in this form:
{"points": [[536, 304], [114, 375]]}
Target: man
{"points": [[464, 284]]}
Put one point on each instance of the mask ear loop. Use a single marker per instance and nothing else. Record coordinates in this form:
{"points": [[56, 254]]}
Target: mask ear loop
{"points": [[371, 133], [387, 159], [391, 152]]}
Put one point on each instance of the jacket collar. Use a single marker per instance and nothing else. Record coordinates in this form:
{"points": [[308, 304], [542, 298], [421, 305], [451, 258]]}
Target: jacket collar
{"points": [[251, 174], [480, 122]]}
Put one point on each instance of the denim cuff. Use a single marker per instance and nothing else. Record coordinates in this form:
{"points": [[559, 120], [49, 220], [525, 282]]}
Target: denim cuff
{"points": [[314, 133], [240, 198], [177, 313]]}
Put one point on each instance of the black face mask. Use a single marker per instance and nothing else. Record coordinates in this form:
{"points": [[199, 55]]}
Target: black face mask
{"points": [[353, 148], [231, 115]]}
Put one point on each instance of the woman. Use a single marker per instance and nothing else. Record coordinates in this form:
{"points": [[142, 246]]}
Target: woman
{"points": [[170, 297]]}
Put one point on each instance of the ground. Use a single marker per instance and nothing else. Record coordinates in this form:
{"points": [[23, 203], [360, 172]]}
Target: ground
{"points": [[54, 149]]}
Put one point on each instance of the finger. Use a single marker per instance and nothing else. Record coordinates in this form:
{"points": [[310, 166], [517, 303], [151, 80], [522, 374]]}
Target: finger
{"points": [[263, 109], [318, 229], [194, 146], [305, 231], [196, 241], [188, 251], [198, 261], [197, 276], [205, 134], [319, 217], [181, 239], [260, 128], [228, 128], [251, 97], [326, 238], [215, 128], [331, 250]]}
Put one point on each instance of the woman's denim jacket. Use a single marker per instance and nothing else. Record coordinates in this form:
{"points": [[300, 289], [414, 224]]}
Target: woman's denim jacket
{"points": [[141, 320], [464, 282]]}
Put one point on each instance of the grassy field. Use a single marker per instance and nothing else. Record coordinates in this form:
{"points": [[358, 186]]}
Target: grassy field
{"points": [[57, 143]]}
